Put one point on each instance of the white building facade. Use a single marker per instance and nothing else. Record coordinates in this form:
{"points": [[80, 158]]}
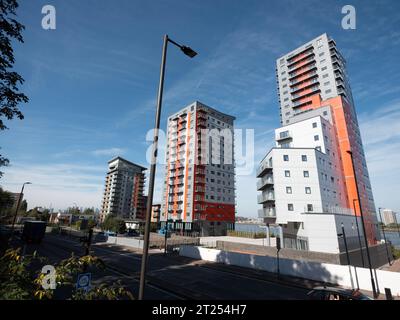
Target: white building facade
{"points": [[308, 181]]}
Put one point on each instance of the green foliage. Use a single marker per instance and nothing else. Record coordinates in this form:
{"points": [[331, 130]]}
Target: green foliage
{"points": [[10, 97], [19, 282], [91, 223], [396, 252], [23, 206], [244, 234], [88, 211], [78, 224], [6, 201], [75, 211], [114, 224], [38, 215], [15, 275]]}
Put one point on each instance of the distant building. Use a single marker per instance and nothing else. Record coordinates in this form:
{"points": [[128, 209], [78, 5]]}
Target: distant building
{"points": [[124, 190], [61, 218], [155, 212], [388, 216]]}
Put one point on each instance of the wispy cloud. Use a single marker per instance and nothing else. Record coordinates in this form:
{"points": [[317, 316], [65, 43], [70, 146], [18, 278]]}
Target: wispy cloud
{"points": [[109, 152], [60, 184]]}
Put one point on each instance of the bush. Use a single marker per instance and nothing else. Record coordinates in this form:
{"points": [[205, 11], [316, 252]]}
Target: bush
{"points": [[396, 252], [112, 223], [245, 234], [20, 280]]}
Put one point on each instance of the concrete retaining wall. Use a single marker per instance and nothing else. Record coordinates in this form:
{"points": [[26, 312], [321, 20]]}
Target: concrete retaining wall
{"points": [[135, 243], [377, 252], [325, 272]]}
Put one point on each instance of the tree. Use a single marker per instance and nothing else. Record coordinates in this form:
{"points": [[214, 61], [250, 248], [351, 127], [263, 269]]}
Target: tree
{"points": [[74, 211], [6, 200], [112, 223], [10, 96], [24, 206], [88, 211]]}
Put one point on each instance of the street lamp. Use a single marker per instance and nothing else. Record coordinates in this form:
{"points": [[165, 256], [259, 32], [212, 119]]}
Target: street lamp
{"points": [[363, 224], [343, 234], [358, 233], [397, 225], [384, 236], [190, 53], [17, 207]]}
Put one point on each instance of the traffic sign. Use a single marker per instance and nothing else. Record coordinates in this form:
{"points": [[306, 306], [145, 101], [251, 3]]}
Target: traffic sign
{"points": [[83, 281]]}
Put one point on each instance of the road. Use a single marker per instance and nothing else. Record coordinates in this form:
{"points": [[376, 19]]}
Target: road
{"points": [[171, 276]]}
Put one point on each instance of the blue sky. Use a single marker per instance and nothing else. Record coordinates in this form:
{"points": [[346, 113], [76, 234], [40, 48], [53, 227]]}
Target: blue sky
{"points": [[92, 85]]}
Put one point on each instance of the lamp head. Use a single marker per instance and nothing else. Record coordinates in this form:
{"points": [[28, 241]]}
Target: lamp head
{"points": [[188, 51]]}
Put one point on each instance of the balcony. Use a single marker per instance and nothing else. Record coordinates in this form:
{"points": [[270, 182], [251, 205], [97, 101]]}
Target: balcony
{"points": [[304, 85], [306, 93], [265, 197], [304, 77], [201, 124], [264, 168], [267, 213], [301, 55], [283, 136], [302, 71], [265, 182]]}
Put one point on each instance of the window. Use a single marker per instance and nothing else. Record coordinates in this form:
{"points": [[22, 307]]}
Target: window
{"points": [[321, 54], [314, 125], [288, 189], [290, 207], [310, 207], [326, 83], [325, 76], [308, 190], [287, 173], [324, 68], [304, 157], [325, 113], [328, 91], [306, 174], [316, 137], [285, 157]]}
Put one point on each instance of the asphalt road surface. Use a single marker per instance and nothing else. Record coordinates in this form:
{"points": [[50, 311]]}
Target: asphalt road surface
{"points": [[170, 276]]}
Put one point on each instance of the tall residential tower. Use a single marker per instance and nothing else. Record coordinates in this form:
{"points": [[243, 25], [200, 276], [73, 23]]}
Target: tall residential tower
{"points": [[124, 190], [199, 186], [310, 169]]}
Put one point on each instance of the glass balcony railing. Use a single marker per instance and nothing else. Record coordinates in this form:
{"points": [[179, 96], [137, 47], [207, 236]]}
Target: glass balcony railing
{"points": [[265, 197], [265, 167], [267, 213], [283, 135], [265, 182]]}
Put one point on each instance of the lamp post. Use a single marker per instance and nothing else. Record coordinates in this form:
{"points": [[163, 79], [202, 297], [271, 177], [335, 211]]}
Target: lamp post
{"points": [[343, 234], [397, 225], [190, 53], [363, 224], [358, 233], [384, 236], [17, 207]]}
